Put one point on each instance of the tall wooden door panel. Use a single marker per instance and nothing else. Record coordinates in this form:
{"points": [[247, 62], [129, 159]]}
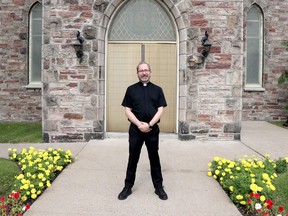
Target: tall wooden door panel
{"points": [[121, 72]]}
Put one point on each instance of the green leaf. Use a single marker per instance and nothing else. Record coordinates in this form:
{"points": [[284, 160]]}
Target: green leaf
{"points": [[282, 79]]}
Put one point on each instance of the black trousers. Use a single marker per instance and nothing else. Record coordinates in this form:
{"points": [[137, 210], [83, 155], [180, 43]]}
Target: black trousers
{"points": [[136, 140]]}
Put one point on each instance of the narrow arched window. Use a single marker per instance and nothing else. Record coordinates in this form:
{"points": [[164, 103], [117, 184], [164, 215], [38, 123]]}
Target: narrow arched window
{"points": [[254, 49], [35, 45]]}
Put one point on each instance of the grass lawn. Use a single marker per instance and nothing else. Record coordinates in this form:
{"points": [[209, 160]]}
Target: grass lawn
{"points": [[280, 196], [279, 123], [21, 132], [15, 133], [8, 169]]}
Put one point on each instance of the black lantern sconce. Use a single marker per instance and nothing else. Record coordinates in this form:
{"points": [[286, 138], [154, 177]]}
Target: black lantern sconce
{"points": [[78, 46], [206, 45]]}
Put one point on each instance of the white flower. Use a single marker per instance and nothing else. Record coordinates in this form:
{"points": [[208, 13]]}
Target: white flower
{"points": [[258, 206]]}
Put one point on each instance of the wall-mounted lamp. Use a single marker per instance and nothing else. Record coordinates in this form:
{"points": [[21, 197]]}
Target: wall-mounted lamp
{"points": [[78, 46], [206, 45]]}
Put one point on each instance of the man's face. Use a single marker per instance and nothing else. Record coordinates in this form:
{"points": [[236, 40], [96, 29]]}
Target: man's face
{"points": [[144, 73]]}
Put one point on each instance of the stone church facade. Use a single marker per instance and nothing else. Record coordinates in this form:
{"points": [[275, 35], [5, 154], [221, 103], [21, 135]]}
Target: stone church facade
{"points": [[213, 94]]}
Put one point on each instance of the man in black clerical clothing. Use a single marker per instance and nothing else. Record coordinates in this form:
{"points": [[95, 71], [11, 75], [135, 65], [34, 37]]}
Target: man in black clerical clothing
{"points": [[144, 104]]}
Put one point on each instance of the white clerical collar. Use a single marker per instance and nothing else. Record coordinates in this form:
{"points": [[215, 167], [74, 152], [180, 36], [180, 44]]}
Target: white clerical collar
{"points": [[144, 84]]}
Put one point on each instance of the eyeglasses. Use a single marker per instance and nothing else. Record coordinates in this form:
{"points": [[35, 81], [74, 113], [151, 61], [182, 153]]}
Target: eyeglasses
{"points": [[142, 71]]}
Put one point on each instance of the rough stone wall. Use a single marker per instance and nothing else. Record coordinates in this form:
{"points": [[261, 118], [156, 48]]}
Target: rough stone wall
{"points": [[211, 90], [73, 90], [268, 105], [211, 95], [17, 103]]}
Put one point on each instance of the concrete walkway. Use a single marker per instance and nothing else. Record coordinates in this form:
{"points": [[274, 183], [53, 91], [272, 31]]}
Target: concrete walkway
{"points": [[90, 185]]}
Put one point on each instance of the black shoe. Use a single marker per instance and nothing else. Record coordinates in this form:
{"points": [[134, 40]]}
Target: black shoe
{"points": [[124, 193], [161, 193]]}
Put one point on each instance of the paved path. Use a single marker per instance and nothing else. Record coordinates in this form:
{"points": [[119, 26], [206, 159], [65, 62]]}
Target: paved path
{"points": [[90, 185]]}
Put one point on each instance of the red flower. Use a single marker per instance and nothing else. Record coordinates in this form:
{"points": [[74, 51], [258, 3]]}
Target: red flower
{"points": [[280, 208], [269, 203], [256, 195], [265, 214], [27, 206], [16, 195], [249, 201], [2, 199]]}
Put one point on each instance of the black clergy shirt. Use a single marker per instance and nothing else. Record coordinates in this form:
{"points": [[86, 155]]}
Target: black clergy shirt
{"points": [[144, 101]]}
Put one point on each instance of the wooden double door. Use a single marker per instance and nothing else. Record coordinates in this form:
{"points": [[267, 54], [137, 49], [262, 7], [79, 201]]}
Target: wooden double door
{"points": [[122, 60]]}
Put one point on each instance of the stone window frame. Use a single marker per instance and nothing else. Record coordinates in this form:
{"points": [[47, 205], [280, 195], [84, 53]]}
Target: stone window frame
{"points": [[256, 87], [33, 84]]}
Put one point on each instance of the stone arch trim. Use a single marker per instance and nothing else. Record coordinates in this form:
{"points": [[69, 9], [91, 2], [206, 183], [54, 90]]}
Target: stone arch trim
{"points": [[175, 13]]}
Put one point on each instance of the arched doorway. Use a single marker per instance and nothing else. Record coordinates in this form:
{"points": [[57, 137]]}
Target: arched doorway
{"points": [[141, 30]]}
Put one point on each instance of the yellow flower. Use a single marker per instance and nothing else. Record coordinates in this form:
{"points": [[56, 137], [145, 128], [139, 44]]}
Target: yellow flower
{"points": [[254, 188], [59, 168], [34, 196], [272, 187], [265, 176], [33, 191], [40, 175], [239, 197], [209, 173], [262, 198], [217, 172], [21, 176], [48, 184], [231, 188], [23, 198], [243, 202]]}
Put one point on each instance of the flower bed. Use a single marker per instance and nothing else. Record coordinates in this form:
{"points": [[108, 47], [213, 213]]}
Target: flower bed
{"points": [[39, 169], [249, 183]]}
